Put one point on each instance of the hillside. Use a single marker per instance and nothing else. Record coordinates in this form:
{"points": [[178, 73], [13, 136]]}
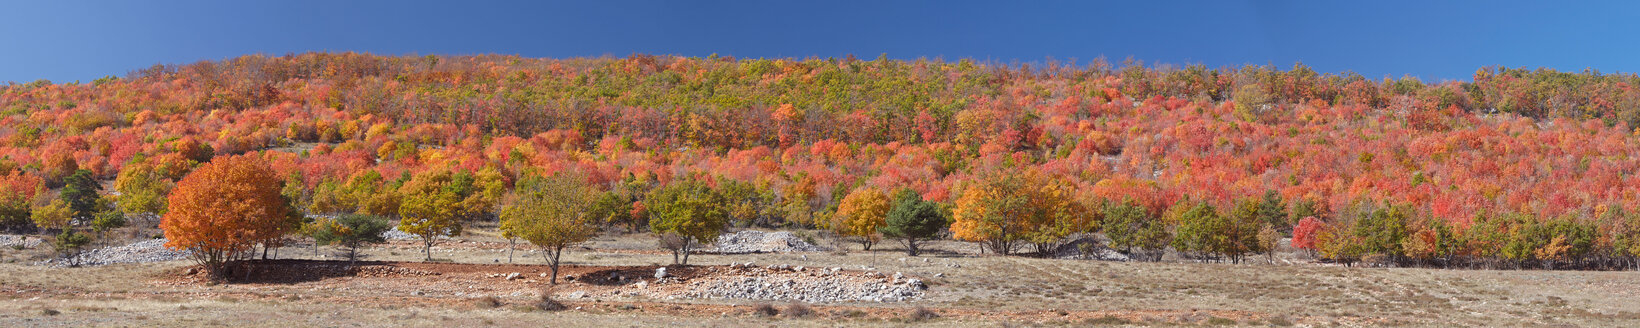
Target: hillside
{"points": [[1516, 167]]}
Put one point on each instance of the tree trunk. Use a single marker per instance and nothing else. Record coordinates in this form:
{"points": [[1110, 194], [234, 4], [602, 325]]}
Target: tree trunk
{"points": [[552, 261], [429, 249], [686, 252], [911, 246], [510, 243]]}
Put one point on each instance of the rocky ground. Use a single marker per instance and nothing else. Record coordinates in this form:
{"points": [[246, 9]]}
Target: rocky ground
{"points": [[744, 282], [617, 280]]}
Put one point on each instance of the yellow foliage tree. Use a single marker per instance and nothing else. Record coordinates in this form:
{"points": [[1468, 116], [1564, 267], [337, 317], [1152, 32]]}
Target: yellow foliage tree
{"points": [[1338, 245], [1053, 212], [860, 214], [1010, 209], [488, 186], [55, 215], [142, 189], [429, 209], [551, 213]]}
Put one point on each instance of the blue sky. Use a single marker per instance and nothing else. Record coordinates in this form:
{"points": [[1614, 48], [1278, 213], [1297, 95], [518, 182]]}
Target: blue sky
{"points": [[81, 40]]}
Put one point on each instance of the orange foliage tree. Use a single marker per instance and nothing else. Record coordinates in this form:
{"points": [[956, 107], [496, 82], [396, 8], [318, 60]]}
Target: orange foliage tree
{"points": [[223, 208]]}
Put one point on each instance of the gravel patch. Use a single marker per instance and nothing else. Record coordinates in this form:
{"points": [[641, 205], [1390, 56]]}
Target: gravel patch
{"points": [[146, 251], [763, 242]]}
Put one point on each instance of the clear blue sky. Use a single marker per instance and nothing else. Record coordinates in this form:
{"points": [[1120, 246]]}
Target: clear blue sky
{"points": [[1439, 40]]}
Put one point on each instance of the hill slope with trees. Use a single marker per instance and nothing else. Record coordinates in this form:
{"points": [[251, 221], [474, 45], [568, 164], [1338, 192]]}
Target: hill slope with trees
{"points": [[1514, 168]]}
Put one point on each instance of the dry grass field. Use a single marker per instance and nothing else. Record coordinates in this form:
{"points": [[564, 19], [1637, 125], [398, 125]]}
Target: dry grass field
{"points": [[965, 289]]}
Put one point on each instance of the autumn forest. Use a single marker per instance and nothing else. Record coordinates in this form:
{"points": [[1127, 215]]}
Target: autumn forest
{"points": [[1514, 168]]}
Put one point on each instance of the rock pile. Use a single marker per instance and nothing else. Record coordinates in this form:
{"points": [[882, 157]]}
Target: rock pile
{"points": [[16, 240], [395, 234], [782, 283], [1088, 248], [763, 242], [765, 283], [387, 271], [146, 251]]}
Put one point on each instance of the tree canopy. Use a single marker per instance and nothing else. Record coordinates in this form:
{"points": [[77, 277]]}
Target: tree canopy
{"points": [[913, 219], [860, 214], [690, 210], [353, 231], [223, 208], [431, 208], [553, 213]]}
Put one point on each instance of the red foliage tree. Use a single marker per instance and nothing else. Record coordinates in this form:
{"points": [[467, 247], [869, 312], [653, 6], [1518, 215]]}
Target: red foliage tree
{"points": [[1305, 232]]}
